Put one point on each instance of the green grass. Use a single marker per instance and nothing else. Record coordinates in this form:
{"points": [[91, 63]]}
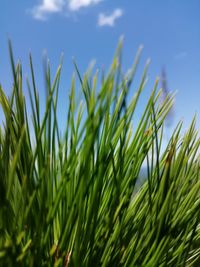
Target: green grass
{"points": [[72, 199]]}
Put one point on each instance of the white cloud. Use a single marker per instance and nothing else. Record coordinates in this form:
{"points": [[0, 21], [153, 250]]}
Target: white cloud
{"points": [[75, 5], [46, 7], [109, 20]]}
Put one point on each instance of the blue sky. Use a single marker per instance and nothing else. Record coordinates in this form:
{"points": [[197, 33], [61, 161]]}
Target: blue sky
{"points": [[90, 29]]}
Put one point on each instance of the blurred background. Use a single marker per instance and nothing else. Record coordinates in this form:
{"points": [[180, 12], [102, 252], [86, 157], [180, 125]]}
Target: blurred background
{"points": [[90, 29]]}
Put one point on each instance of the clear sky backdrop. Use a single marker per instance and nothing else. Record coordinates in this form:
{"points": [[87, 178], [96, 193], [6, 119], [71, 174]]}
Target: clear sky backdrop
{"points": [[90, 29]]}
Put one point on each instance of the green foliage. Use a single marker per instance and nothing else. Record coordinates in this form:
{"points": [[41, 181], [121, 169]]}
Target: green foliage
{"points": [[73, 199]]}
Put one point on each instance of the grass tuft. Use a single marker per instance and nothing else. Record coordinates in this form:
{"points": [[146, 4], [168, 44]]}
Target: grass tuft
{"points": [[70, 197]]}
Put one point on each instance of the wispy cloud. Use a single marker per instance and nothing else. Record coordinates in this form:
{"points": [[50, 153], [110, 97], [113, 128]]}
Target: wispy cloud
{"points": [[46, 7], [181, 55], [75, 5], [109, 20]]}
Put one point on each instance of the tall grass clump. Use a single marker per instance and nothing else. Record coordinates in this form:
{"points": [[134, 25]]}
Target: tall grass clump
{"points": [[71, 197]]}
